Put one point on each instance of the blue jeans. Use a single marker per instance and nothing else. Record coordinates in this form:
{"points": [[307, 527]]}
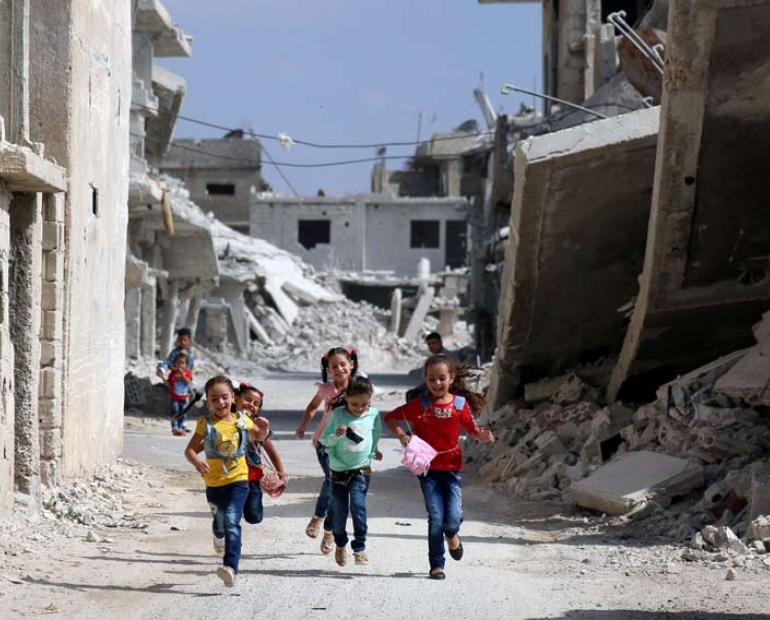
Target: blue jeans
{"points": [[443, 493], [252, 511], [227, 509], [351, 495], [323, 503], [177, 407]]}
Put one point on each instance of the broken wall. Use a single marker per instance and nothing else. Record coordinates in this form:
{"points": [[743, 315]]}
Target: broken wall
{"points": [[81, 98]]}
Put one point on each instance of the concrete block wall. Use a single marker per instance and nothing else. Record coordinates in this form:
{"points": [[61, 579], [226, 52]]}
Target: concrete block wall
{"points": [[80, 96], [51, 340], [7, 416]]}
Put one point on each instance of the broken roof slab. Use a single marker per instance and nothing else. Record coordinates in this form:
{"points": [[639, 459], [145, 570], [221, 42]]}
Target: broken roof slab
{"points": [[706, 275], [578, 224]]}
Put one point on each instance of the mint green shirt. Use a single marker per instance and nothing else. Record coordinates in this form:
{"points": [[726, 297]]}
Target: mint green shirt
{"points": [[344, 453]]}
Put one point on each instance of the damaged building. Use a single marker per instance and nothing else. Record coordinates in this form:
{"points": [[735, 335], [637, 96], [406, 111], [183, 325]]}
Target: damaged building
{"points": [[635, 271], [370, 232], [221, 174], [62, 227]]}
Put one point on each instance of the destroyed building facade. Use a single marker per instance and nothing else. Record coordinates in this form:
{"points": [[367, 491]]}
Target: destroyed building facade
{"points": [[222, 174], [62, 226], [374, 232]]}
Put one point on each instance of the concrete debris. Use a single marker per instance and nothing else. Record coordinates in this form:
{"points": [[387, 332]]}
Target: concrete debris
{"points": [[358, 325], [703, 458], [731, 575], [633, 479]]}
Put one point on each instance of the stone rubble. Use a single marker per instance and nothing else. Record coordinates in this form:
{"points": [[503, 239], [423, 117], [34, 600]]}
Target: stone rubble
{"points": [[565, 432]]}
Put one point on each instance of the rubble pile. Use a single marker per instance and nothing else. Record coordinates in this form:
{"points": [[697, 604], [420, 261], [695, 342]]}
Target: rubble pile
{"points": [[100, 501], [709, 429], [351, 324]]}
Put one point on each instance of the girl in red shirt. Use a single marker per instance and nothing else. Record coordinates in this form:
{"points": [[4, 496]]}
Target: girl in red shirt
{"points": [[437, 417]]}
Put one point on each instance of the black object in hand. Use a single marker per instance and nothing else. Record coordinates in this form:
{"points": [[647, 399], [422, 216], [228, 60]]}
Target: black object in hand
{"points": [[353, 436]]}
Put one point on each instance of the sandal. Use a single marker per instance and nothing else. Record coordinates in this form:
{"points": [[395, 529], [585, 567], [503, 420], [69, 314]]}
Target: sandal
{"points": [[313, 527], [457, 552], [327, 543]]}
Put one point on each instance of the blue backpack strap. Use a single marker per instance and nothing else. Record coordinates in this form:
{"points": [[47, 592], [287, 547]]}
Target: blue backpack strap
{"points": [[210, 439], [459, 402], [425, 401], [244, 435]]}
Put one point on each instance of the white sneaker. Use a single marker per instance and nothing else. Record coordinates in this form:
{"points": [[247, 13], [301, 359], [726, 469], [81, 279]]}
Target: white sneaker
{"points": [[227, 575], [219, 546]]}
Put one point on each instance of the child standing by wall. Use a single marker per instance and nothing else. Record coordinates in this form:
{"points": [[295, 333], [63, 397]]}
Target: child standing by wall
{"points": [[224, 435], [342, 364], [179, 391], [437, 417], [250, 399], [351, 438]]}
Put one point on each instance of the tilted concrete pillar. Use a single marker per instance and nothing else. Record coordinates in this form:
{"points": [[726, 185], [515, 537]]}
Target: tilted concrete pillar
{"points": [[148, 320]]}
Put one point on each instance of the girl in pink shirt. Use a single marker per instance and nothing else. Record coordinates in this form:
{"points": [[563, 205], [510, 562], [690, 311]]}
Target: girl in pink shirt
{"points": [[342, 364]]}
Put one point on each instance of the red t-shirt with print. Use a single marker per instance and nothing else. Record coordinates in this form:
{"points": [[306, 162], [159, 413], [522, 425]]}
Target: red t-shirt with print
{"points": [[439, 425]]}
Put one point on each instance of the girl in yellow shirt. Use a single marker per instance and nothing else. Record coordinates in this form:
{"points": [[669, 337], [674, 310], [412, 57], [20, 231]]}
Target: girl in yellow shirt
{"points": [[224, 435]]}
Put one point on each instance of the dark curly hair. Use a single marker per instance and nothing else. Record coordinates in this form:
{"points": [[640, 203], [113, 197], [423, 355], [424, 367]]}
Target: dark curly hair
{"points": [[358, 385]]}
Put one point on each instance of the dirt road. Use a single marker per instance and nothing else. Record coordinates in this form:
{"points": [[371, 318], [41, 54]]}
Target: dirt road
{"points": [[521, 561]]}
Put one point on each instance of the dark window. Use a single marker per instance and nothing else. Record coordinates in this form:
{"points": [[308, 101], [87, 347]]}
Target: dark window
{"points": [[220, 189], [313, 232], [633, 9], [456, 253], [424, 234]]}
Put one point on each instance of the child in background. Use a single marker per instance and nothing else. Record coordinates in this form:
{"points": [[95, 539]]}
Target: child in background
{"points": [[179, 391], [224, 436], [351, 438], [183, 345], [437, 417], [250, 399], [343, 365]]}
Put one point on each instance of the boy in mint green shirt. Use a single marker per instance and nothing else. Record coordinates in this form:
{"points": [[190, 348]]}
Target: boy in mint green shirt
{"points": [[351, 438]]}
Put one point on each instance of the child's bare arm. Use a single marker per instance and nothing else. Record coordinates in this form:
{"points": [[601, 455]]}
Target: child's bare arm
{"points": [[272, 452], [310, 410], [191, 454], [260, 430], [395, 428]]}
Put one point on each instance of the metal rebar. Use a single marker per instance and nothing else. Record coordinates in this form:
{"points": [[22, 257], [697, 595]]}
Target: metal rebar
{"points": [[617, 19], [509, 88]]}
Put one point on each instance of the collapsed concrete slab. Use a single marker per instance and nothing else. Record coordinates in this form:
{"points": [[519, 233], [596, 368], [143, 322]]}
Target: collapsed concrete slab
{"points": [[578, 222], [635, 478], [705, 277]]}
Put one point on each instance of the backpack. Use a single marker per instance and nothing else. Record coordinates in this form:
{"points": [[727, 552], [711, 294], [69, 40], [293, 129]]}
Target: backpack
{"points": [[425, 401], [210, 440]]}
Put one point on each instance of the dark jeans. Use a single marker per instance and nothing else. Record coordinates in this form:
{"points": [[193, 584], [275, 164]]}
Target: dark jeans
{"points": [[323, 503], [252, 511], [177, 407], [227, 508], [443, 495], [350, 496]]}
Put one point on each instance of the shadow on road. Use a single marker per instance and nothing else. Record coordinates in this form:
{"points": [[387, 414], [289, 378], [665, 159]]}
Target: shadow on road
{"points": [[623, 614]]}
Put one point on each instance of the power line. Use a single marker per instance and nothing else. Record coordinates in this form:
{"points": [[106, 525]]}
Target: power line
{"points": [[256, 162], [278, 169], [319, 145]]}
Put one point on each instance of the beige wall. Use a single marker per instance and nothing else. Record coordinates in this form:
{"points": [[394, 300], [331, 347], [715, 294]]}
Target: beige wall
{"points": [[80, 100]]}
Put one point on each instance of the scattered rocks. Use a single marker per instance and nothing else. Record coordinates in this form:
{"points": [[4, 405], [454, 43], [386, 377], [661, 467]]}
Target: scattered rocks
{"points": [[731, 575]]}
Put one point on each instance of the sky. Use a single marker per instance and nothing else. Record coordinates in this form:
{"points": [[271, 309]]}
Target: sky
{"points": [[349, 72]]}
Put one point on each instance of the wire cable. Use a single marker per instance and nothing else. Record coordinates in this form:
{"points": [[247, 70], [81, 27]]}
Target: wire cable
{"points": [[318, 145]]}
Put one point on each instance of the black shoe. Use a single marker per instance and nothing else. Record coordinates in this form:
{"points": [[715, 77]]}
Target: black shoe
{"points": [[437, 574], [457, 554]]}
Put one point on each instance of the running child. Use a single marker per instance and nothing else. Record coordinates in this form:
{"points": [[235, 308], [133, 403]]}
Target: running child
{"points": [[178, 381], [351, 438], [343, 365], [224, 435], [437, 417], [250, 400]]}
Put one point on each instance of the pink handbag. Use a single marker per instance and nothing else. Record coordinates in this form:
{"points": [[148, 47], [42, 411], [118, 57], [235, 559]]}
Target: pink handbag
{"points": [[271, 482], [417, 456]]}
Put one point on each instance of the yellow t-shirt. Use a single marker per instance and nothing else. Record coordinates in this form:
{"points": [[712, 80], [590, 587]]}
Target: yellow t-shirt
{"points": [[223, 472]]}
